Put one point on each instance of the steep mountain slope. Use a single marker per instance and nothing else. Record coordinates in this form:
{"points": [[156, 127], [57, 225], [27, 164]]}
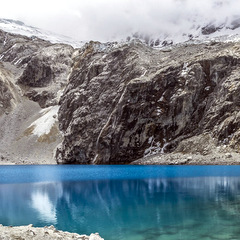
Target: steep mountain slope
{"points": [[33, 73], [117, 102], [131, 101]]}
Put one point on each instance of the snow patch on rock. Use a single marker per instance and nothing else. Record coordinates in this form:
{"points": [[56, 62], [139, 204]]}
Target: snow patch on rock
{"points": [[155, 147], [44, 124]]}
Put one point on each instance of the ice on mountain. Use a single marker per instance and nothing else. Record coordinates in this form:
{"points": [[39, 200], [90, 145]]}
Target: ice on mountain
{"points": [[17, 27]]}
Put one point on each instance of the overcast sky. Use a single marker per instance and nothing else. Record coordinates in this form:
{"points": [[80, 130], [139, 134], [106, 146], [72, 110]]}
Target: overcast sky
{"points": [[108, 19]]}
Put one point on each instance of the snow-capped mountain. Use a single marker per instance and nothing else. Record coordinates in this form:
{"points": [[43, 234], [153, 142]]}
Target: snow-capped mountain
{"points": [[18, 27], [113, 103], [195, 33]]}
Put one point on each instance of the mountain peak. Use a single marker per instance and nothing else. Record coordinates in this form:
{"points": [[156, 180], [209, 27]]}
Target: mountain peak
{"points": [[195, 30], [18, 27]]}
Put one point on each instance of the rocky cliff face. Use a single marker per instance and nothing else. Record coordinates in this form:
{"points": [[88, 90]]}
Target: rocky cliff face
{"points": [[130, 101], [9, 94], [120, 102], [43, 68]]}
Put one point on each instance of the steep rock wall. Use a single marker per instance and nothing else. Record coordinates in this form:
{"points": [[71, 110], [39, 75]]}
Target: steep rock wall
{"points": [[131, 101]]}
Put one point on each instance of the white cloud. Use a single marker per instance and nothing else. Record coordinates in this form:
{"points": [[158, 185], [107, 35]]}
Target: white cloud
{"points": [[44, 200], [106, 19]]}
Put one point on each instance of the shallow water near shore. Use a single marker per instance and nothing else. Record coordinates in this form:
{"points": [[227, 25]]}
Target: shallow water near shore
{"points": [[125, 202]]}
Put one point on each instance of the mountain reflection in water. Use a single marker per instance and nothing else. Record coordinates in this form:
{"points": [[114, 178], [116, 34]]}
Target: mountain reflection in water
{"points": [[164, 208]]}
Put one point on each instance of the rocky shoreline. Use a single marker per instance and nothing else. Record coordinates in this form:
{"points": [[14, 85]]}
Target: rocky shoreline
{"points": [[218, 158], [190, 159], [198, 150], [48, 233]]}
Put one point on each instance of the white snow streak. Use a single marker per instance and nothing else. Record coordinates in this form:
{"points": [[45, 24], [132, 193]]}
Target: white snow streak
{"points": [[144, 73], [155, 147], [44, 124], [185, 70]]}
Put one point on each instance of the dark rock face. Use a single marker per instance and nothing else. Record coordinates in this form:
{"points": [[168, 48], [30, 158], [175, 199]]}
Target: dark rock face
{"points": [[127, 102], [18, 49], [210, 28], [9, 94], [46, 73], [37, 73], [5, 97], [235, 23], [97, 86]]}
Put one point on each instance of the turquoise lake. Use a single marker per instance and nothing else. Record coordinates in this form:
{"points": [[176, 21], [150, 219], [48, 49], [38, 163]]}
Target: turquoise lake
{"points": [[125, 202]]}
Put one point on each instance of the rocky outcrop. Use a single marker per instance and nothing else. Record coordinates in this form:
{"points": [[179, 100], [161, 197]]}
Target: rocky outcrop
{"points": [[9, 93], [51, 233], [210, 28], [19, 49], [42, 67], [130, 101], [47, 73]]}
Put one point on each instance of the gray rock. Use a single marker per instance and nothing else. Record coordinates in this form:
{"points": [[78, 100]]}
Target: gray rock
{"points": [[42, 68], [235, 23], [29, 233], [95, 237], [209, 29], [9, 93], [228, 155], [47, 73]]}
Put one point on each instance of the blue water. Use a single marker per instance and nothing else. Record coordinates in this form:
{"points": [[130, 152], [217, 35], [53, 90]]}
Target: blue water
{"points": [[125, 202]]}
